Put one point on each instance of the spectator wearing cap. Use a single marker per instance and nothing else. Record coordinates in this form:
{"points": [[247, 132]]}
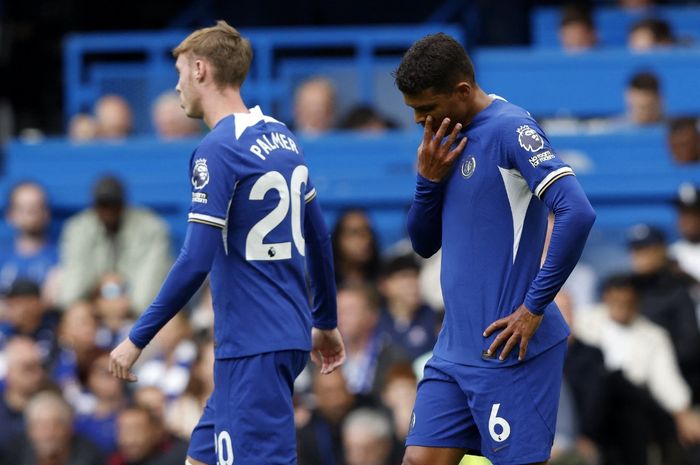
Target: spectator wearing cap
{"points": [[31, 254], [665, 298], [408, 321], [27, 315], [686, 251], [683, 140], [111, 236]]}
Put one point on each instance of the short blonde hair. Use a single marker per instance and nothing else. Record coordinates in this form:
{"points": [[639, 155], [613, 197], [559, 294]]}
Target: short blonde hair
{"points": [[224, 47]]}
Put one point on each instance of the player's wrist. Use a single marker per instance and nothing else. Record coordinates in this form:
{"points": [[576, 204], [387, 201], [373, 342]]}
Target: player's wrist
{"points": [[533, 307]]}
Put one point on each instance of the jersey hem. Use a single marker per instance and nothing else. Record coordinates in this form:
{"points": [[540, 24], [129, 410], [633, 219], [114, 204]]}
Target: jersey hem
{"points": [[223, 354]]}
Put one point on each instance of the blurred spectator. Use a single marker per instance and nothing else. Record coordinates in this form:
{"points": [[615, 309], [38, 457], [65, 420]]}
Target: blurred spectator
{"points": [[175, 352], [112, 236], [644, 100], [643, 353], [170, 120], [684, 140], [99, 425], [153, 399], [665, 298], [319, 440], [405, 318], [576, 29], [50, 436], [314, 106], [365, 118], [586, 384], [77, 335], [399, 395], [139, 437], [367, 438], [113, 309], [183, 413], [636, 4], [24, 378], [648, 34], [369, 351], [82, 128], [27, 315], [31, 255], [355, 248], [686, 251], [113, 116]]}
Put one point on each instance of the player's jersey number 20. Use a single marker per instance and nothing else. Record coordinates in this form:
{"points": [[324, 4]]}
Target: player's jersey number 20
{"points": [[290, 196]]}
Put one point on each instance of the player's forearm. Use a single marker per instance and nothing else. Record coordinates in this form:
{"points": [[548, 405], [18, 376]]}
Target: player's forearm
{"points": [[186, 276], [424, 221], [573, 220], [320, 266]]}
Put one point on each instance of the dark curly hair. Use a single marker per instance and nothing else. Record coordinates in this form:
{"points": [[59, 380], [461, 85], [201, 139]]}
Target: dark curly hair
{"points": [[436, 61]]}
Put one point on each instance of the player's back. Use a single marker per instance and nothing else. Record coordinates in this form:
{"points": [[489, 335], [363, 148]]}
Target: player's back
{"points": [[258, 280]]}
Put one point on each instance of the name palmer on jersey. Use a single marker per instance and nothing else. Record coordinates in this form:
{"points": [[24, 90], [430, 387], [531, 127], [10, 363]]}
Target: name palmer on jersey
{"points": [[264, 145]]}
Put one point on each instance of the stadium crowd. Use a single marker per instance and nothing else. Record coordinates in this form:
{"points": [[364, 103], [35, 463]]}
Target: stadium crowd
{"points": [[632, 377]]}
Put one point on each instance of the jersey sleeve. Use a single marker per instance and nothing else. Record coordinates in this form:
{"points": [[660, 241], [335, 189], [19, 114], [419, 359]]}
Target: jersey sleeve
{"points": [[213, 183], [529, 150], [310, 193]]}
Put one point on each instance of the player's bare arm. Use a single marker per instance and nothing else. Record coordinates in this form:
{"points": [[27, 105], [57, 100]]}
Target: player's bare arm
{"points": [[327, 349], [518, 327], [434, 155]]}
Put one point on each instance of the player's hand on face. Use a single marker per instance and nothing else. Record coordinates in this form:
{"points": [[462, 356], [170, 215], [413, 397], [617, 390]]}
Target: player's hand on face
{"points": [[519, 326], [434, 156], [122, 358], [327, 349]]}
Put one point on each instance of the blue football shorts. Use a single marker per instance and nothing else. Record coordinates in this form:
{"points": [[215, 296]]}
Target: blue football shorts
{"points": [[507, 414], [249, 417]]}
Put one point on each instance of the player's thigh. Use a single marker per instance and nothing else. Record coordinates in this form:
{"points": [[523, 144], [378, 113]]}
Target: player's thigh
{"points": [[202, 448], [254, 412], [441, 415], [515, 408]]}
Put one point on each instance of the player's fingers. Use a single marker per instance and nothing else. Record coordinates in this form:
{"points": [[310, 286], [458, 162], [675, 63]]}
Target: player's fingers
{"points": [[509, 346], [315, 358], [428, 130], [453, 135], [132, 378], [500, 339], [442, 130], [457, 151], [503, 322], [523, 348]]}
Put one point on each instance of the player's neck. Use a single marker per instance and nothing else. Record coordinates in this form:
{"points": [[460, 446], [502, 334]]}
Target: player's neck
{"points": [[479, 103], [221, 104]]}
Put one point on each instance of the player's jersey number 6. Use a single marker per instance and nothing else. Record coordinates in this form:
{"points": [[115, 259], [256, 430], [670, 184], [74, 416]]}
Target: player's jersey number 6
{"points": [[255, 249], [501, 423]]}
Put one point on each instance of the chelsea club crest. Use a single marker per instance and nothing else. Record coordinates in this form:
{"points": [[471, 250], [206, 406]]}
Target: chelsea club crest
{"points": [[468, 167], [200, 173]]}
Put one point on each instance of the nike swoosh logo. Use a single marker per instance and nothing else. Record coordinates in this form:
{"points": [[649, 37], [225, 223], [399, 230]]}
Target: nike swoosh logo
{"points": [[496, 449]]}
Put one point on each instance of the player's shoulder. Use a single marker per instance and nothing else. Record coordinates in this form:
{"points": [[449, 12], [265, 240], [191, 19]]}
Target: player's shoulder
{"points": [[511, 116]]}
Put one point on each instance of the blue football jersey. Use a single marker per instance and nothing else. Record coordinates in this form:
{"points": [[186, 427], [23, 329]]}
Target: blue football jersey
{"points": [[249, 178], [493, 232]]}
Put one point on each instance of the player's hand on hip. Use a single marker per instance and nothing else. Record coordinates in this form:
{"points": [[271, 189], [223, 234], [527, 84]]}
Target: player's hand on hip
{"points": [[327, 349], [122, 358], [518, 327], [434, 156]]}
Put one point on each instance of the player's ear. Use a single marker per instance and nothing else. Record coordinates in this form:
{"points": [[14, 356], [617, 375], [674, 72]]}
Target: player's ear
{"points": [[463, 89], [199, 70]]}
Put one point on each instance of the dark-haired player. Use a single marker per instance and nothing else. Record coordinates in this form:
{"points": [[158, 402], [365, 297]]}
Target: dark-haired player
{"points": [[487, 179]]}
